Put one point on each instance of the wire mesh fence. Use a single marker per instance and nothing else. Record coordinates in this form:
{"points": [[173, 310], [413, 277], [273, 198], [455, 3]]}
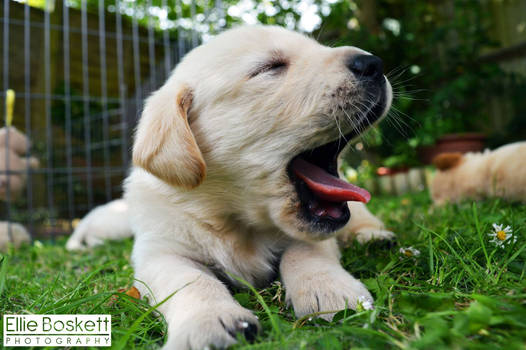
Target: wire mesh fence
{"points": [[80, 71]]}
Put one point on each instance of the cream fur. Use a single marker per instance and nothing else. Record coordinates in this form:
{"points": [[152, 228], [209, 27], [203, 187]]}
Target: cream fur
{"points": [[498, 173], [209, 194], [108, 221]]}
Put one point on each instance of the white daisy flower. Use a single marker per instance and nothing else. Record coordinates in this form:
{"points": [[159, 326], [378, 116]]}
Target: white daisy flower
{"points": [[502, 236], [365, 303], [409, 252]]}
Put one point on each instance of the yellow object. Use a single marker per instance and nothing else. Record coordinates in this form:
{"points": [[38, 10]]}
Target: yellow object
{"points": [[41, 4], [501, 235], [351, 175], [9, 106]]}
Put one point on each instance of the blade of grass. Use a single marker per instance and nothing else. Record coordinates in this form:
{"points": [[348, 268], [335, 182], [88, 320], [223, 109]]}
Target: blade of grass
{"points": [[124, 340], [273, 321], [431, 257], [479, 233], [3, 273], [513, 257], [300, 322], [450, 247], [68, 305], [70, 295], [46, 293]]}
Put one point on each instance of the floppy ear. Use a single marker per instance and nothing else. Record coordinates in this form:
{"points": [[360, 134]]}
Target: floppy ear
{"points": [[445, 161], [164, 144]]}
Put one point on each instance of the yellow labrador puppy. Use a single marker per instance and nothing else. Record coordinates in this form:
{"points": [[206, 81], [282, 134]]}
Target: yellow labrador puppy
{"points": [[498, 173], [236, 174]]}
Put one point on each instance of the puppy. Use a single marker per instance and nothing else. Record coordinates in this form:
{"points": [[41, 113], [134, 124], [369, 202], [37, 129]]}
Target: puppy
{"points": [[235, 173], [498, 173]]}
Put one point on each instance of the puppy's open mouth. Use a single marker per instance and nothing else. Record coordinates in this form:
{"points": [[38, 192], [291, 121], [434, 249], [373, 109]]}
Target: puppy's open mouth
{"points": [[323, 196]]}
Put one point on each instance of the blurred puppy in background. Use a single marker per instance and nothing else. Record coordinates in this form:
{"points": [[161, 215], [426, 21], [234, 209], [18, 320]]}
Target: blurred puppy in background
{"points": [[498, 173]]}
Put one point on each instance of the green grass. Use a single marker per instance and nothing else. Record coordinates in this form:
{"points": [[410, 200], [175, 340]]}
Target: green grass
{"points": [[461, 292]]}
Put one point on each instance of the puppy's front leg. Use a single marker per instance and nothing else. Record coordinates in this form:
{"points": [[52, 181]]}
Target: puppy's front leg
{"points": [[202, 312], [315, 281]]}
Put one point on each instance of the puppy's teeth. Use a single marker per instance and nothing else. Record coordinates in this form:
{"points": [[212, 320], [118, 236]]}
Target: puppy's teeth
{"points": [[244, 324], [320, 212]]}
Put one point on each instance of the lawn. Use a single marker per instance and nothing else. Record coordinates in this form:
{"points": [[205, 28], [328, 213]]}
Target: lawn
{"points": [[461, 292]]}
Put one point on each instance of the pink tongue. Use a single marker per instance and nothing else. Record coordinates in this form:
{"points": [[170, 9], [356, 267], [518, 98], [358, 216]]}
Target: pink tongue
{"points": [[326, 186]]}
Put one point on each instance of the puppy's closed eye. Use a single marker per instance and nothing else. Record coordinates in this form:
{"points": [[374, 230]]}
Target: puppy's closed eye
{"points": [[276, 65]]}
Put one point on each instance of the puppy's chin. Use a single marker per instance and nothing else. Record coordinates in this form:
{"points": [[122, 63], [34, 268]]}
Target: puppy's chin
{"points": [[288, 217], [312, 227]]}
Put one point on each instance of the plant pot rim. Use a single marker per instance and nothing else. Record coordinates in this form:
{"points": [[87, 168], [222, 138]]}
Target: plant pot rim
{"points": [[475, 136]]}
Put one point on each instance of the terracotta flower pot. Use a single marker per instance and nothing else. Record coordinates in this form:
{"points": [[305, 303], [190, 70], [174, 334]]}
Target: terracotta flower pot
{"points": [[463, 143]]}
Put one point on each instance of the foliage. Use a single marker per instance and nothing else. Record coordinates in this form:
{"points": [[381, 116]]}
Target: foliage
{"points": [[208, 17], [461, 291], [433, 53]]}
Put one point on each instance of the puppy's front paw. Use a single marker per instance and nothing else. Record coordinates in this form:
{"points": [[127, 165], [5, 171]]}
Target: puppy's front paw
{"points": [[373, 234], [332, 290], [216, 326]]}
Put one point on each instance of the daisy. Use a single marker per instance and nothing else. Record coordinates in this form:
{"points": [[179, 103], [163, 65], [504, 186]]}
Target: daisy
{"points": [[365, 303], [502, 236], [409, 252]]}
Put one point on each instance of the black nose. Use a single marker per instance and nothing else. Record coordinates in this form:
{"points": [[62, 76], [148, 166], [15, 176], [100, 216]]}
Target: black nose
{"points": [[366, 66]]}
